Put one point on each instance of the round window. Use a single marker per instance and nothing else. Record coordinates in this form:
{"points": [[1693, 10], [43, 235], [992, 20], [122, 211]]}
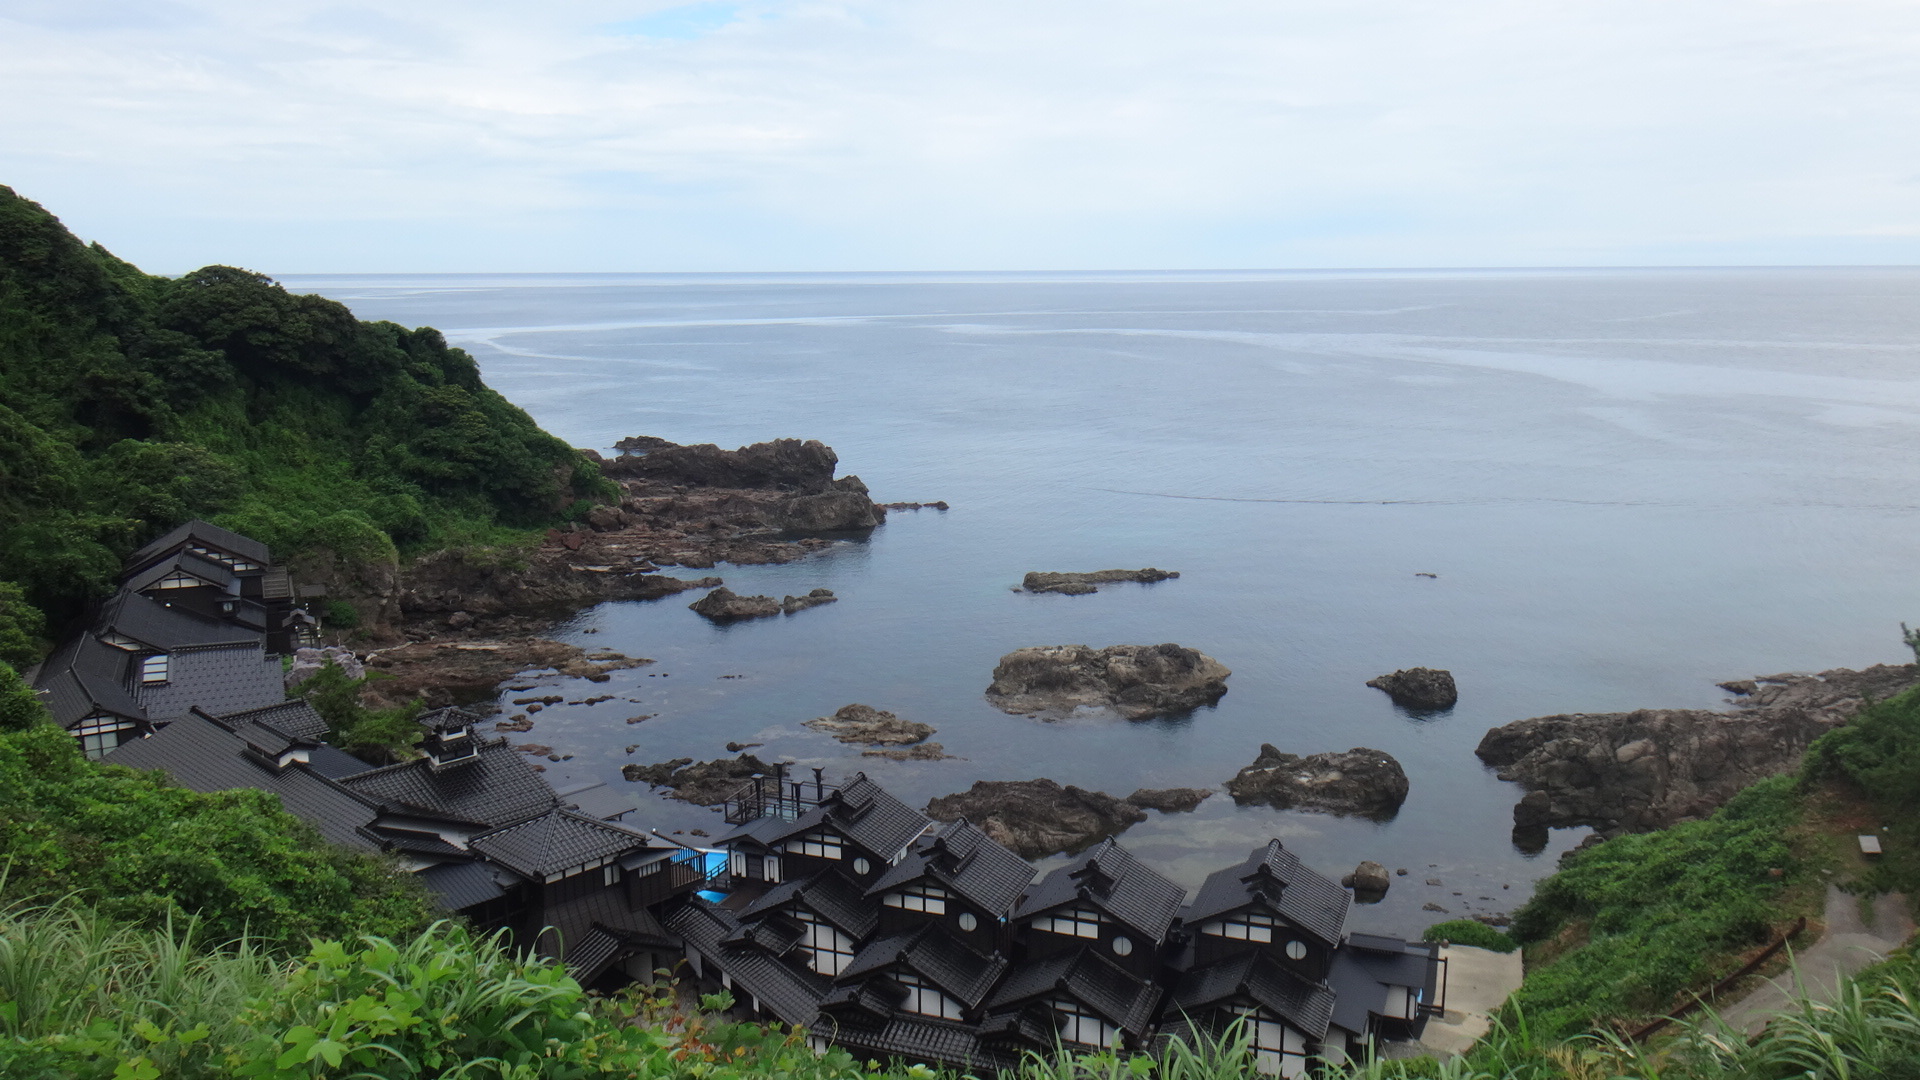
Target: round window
{"points": [[1122, 946], [967, 921], [861, 865], [1296, 949]]}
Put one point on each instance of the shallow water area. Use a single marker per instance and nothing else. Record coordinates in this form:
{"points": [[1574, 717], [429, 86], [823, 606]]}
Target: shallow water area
{"points": [[1630, 485]]}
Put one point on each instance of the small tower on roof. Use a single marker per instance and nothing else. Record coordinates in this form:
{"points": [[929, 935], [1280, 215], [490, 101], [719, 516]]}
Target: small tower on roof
{"points": [[450, 741]]}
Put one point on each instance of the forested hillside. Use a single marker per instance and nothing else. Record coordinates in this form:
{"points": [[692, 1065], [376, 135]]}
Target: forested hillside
{"points": [[130, 403]]}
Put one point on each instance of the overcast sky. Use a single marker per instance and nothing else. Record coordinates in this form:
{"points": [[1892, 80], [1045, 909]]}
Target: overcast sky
{"points": [[477, 135]]}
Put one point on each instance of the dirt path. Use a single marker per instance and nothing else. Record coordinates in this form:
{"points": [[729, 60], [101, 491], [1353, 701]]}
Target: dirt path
{"points": [[1849, 944]]}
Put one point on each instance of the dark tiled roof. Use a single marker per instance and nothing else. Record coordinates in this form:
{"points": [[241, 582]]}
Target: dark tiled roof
{"points": [[1295, 890], [555, 841], [919, 1039], [788, 993], [1307, 1006], [1356, 993], [573, 925], [84, 677], [205, 535], [297, 719], [334, 764], [963, 974], [215, 574], [966, 860], [463, 884], [1110, 878], [200, 754], [166, 628], [499, 788], [449, 718], [860, 810], [827, 894], [219, 680], [1094, 980]]}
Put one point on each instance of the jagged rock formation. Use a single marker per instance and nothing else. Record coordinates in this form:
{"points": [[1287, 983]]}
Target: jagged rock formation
{"points": [[461, 672], [1136, 681], [813, 599], [1420, 689], [1036, 818], [866, 725], [1634, 771], [1081, 584], [1177, 800], [708, 783], [1360, 781], [724, 605], [931, 751]]}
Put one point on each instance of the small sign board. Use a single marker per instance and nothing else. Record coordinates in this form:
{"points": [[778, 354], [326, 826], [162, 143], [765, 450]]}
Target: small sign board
{"points": [[1869, 844]]}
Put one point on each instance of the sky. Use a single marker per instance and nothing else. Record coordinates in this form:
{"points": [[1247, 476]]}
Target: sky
{"points": [[599, 136]]}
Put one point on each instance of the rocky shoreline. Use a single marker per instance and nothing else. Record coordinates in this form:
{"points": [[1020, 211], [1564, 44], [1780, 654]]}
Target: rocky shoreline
{"points": [[1650, 768]]}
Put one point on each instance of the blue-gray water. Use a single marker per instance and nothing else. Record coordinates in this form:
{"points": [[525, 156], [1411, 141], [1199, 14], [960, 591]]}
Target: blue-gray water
{"points": [[1631, 485]]}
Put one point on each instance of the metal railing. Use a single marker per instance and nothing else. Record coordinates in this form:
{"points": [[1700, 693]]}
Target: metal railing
{"points": [[776, 796]]}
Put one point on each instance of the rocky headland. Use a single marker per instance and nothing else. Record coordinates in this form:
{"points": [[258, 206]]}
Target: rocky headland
{"points": [[464, 671], [1138, 682], [1036, 818], [1360, 782], [1419, 689], [1647, 769], [1072, 584]]}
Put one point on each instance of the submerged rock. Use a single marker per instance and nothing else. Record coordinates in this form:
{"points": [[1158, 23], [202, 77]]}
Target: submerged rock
{"points": [[1136, 681], [1036, 818], [1360, 781], [870, 726], [931, 751], [1177, 800], [1080, 584], [1633, 771], [1421, 689], [725, 605]]}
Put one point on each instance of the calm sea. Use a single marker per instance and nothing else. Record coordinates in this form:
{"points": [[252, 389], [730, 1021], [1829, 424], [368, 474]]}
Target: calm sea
{"points": [[1629, 484]]}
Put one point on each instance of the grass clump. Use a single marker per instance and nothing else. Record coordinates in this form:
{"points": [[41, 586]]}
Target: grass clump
{"points": [[1470, 932]]}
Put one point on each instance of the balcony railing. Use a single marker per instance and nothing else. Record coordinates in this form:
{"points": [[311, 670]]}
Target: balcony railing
{"points": [[776, 796]]}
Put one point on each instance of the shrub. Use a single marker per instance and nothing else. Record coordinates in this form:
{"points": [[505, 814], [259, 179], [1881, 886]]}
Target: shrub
{"points": [[1470, 932]]}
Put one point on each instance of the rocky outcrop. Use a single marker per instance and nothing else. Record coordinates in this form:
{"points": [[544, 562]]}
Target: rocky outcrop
{"points": [[1175, 800], [1360, 781], [805, 468], [493, 591], [724, 605], [1419, 689], [707, 783], [1036, 818], [868, 726], [1081, 584], [813, 599], [931, 751], [1634, 771], [1136, 681], [461, 672], [1369, 878]]}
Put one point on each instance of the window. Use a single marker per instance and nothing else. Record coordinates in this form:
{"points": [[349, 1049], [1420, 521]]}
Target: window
{"points": [[1278, 1050], [1296, 949], [1073, 922], [1077, 1025], [178, 581], [820, 845], [861, 866], [830, 951], [100, 734], [154, 669], [1248, 926], [770, 867], [926, 1000], [737, 864], [121, 641], [968, 922], [931, 899], [609, 875], [1123, 946]]}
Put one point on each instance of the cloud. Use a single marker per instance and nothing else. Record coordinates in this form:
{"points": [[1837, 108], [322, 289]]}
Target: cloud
{"points": [[589, 135]]}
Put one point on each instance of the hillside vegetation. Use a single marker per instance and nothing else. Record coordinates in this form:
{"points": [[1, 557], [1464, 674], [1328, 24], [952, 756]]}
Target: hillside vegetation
{"points": [[130, 403]]}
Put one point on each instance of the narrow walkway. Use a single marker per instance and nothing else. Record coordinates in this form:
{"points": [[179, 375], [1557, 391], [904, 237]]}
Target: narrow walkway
{"points": [[1849, 945], [1478, 982]]}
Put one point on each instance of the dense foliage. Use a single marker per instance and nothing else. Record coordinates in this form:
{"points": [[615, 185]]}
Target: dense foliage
{"points": [[1876, 756], [129, 403], [1473, 934], [145, 851], [377, 735], [1659, 912]]}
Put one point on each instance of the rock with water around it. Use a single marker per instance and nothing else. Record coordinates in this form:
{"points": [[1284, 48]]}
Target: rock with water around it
{"points": [[1137, 681], [725, 605], [1424, 689], [1036, 818], [1634, 771], [1074, 584], [813, 599], [926, 751], [1178, 800], [1368, 877], [706, 783], [1360, 781], [866, 725]]}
